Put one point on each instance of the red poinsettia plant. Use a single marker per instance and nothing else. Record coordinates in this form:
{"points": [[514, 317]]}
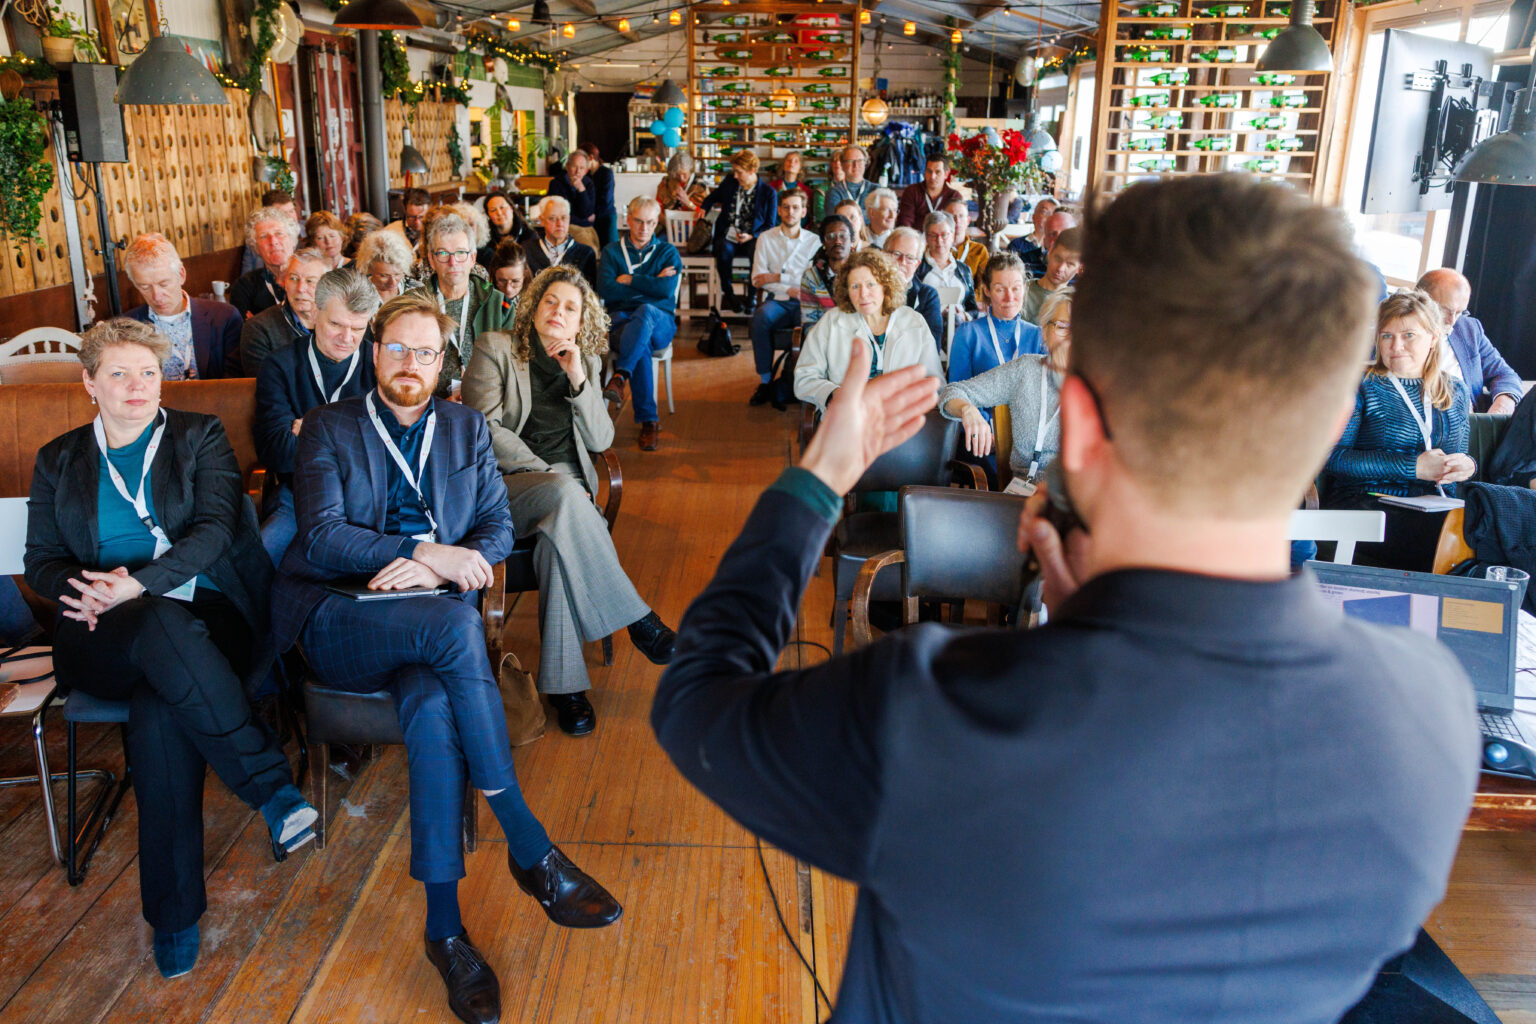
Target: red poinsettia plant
{"points": [[991, 162]]}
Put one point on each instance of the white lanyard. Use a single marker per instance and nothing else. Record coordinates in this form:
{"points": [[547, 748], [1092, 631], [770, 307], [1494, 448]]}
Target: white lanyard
{"points": [[314, 366], [931, 207], [876, 350], [557, 254], [1425, 423], [405, 467], [140, 501], [463, 312], [998, 349], [273, 292], [1034, 459], [624, 251]]}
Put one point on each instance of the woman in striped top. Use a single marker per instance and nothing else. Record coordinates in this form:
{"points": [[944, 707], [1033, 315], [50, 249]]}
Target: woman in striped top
{"points": [[1407, 435]]}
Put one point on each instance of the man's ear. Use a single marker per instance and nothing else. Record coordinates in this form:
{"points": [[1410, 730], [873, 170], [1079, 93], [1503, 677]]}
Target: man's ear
{"points": [[1084, 437]]}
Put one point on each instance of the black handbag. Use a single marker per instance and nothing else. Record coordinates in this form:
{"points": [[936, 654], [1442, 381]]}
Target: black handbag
{"points": [[716, 339]]}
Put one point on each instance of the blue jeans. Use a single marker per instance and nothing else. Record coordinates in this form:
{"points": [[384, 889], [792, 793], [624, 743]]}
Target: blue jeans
{"points": [[725, 255], [16, 622], [773, 315], [637, 333], [281, 524]]}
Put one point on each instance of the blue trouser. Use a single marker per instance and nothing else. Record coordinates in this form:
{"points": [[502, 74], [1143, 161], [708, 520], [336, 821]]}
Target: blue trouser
{"points": [[637, 333], [281, 524], [725, 255], [16, 622], [773, 315], [431, 652]]}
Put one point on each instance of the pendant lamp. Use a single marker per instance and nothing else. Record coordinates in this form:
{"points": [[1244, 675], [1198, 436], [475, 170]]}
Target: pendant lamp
{"points": [[1300, 48], [411, 160], [1508, 158], [165, 73], [669, 95], [377, 14]]}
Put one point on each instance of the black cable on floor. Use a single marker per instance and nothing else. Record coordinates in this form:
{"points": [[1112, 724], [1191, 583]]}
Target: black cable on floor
{"points": [[788, 935]]}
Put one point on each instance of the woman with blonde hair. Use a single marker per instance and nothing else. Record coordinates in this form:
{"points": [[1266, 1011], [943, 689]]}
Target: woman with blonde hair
{"points": [[870, 294], [1407, 435], [539, 389], [386, 259]]}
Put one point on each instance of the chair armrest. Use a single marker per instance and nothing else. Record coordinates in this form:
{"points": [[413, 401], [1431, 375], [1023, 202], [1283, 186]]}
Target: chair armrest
{"points": [[794, 342], [1451, 549], [257, 482], [493, 610], [615, 476], [968, 474], [809, 419], [863, 585]]}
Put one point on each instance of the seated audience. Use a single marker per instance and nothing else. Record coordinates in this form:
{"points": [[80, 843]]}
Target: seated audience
{"points": [[967, 249], [469, 302], [275, 199], [637, 278], [783, 256], [1038, 214], [792, 176], [1030, 386], [1491, 382], [1062, 264], [930, 195], [1282, 789], [1002, 334], [204, 335], [822, 205], [554, 245], [681, 189], [869, 291], [1407, 435], [818, 283], [506, 225], [274, 235], [905, 248], [386, 260], [1033, 254], [748, 207], [940, 267], [332, 364], [437, 519], [538, 389], [359, 227], [414, 205], [851, 211], [326, 232], [880, 210], [509, 269], [607, 222], [580, 192], [480, 232], [139, 528], [851, 185], [293, 320]]}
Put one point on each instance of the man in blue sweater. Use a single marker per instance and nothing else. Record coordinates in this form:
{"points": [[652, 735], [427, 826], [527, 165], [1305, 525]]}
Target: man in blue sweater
{"points": [[1200, 792], [1492, 382], [637, 281]]}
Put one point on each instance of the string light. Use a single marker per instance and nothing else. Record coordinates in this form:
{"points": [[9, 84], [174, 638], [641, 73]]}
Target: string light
{"points": [[909, 29], [623, 24], [568, 30], [955, 37], [675, 17], [514, 24], [863, 17]]}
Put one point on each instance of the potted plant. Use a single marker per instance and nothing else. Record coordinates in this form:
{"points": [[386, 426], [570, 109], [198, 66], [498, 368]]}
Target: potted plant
{"points": [[26, 170], [64, 35]]}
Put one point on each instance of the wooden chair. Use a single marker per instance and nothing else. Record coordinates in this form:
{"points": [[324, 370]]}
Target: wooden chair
{"points": [[1002, 444], [42, 345], [1452, 548], [679, 227]]}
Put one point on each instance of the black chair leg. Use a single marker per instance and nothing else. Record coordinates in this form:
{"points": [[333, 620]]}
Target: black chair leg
{"points": [[88, 834], [291, 715], [607, 650], [319, 756]]}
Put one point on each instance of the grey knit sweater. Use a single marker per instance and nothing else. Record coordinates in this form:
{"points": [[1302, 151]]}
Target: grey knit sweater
{"points": [[1016, 384]]}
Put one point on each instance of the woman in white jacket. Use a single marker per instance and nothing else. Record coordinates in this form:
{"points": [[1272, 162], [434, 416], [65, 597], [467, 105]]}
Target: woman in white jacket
{"points": [[870, 293]]}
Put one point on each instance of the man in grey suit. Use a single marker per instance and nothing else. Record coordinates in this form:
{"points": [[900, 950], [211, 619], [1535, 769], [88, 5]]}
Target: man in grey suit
{"points": [[1200, 793]]}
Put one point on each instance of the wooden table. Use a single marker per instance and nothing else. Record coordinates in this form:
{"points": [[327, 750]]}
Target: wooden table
{"points": [[1501, 804]]}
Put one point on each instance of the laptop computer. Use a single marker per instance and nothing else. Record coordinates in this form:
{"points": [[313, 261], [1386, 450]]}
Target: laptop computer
{"points": [[1478, 619]]}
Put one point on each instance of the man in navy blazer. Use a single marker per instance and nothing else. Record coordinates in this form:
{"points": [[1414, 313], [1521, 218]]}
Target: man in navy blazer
{"points": [[205, 335], [398, 490], [1492, 382], [1200, 791], [748, 207]]}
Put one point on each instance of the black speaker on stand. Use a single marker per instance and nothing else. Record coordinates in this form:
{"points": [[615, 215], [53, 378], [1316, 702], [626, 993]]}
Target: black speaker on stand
{"points": [[94, 135]]}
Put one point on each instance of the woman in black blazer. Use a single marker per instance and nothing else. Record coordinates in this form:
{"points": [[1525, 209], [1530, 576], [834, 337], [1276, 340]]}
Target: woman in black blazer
{"points": [[138, 527], [748, 207]]}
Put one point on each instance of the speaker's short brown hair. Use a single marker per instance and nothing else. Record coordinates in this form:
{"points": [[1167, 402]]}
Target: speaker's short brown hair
{"points": [[1223, 330], [411, 304]]}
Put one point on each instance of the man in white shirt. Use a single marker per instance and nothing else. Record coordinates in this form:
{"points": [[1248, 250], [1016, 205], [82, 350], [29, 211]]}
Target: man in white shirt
{"points": [[783, 254], [880, 212]]}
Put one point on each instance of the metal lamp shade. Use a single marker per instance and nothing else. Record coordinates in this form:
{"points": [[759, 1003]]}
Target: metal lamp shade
{"points": [[1508, 158], [1040, 141], [165, 73], [669, 95], [1300, 48], [377, 14], [411, 160]]}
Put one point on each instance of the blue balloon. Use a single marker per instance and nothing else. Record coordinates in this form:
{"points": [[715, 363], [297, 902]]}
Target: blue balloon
{"points": [[672, 137], [657, 127], [673, 117]]}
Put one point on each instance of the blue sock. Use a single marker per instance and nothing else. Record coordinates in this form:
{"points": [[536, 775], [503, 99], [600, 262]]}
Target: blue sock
{"points": [[766, 377], [443, 919], [526, 838]]}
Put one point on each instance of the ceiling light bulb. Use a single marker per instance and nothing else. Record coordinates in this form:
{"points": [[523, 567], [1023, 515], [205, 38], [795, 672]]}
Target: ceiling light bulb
{"points": [[514, 24], [568, 30], [675, 17], [909, 29], [863, 17], [623, 24], [954, 36]]}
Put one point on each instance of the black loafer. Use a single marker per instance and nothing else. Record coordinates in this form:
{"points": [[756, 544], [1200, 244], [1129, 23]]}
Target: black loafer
{"points": [[570, 897], [474, 995], [574, 713], [653, 638], [762, 396]]}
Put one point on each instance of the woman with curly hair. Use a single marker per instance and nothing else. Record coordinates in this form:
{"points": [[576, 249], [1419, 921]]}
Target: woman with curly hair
{"points": [[539, 390], [871, 302]]}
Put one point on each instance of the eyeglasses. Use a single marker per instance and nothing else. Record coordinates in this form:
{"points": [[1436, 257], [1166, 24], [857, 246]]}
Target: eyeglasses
{"points": [[456, 255], [424, 356], [1060, 325], [905, 258]]}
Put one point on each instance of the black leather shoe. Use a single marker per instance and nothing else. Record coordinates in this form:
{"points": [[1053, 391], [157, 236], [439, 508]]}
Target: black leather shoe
{"points": [[654, 638], [574, 713], [762, 396], [474, 995], [568, 894]]}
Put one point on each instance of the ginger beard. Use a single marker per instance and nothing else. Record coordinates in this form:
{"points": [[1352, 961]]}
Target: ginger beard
{"points": [[405, 382]]}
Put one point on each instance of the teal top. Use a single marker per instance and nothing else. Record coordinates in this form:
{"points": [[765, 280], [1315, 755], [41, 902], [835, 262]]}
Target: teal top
{"points": [[122, 539]]}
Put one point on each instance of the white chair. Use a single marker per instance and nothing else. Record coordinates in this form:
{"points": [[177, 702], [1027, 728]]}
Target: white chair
{"points": [[41, 345], [661, 363], [679, 227], [1343, 527], [950, 296]]}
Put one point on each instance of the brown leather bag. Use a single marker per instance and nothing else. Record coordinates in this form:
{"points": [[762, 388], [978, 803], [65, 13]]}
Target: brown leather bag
{"points": [[520, 700]]}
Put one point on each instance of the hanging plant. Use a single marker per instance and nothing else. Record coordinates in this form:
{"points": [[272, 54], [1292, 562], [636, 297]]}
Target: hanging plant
{"points": [[455, 153], [281, 173], [395, 71], [26, 172], [261, 48]]}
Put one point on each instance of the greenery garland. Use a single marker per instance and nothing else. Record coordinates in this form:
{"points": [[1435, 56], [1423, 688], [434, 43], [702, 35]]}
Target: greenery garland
{"points": [[31, 70], [491, 46], [1067, 61], [395, 71], [26, 172], [261, 49]]}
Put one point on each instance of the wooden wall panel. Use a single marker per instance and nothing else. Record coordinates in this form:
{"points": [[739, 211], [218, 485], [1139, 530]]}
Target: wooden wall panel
{"points": [[430, 125]]}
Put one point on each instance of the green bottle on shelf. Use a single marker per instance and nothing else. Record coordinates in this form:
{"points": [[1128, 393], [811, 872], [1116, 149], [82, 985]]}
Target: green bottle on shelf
{"points": [[1172, 76], [1290, 99], [736, 20], [724, 37], [1223, 11], [1266, 123], [1161, 123], [1286, 144], [1148, 54], [1149, 99], [832, 72], [1157, 10], [824, 104], [1168, 32], [817, 88], [1280, 11], [738, 119], [819, 152], [773, 103], [821, 55], [722, 103], [1263, 165], [1220, 55], [1155, 166], [815, 119], [723, 135], [836, 38], [1219, 99], [1152, 145], [776, 136], [1214, 143], [719, 167], [1269, 33], [721, 71], [1274, 79], [816, 169], [734, 54], [776, 37], [827, 135], [779, 71], [736, 87]]}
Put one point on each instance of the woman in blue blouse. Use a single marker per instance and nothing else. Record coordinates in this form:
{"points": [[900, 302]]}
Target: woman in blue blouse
{"points": [[1002, 334], [1407, 435]]}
